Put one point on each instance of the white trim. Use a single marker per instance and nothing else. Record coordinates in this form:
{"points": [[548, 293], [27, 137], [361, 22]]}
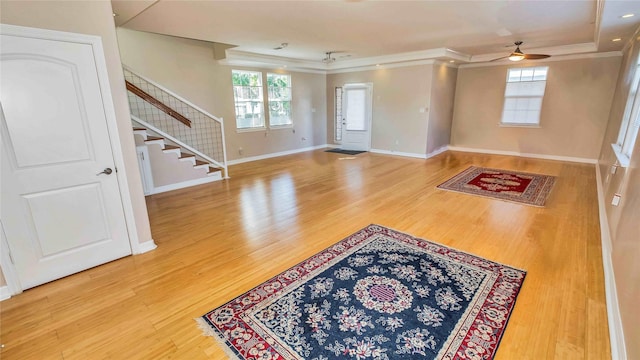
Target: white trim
{"points": [[173, 94], [4, 292], [185, 184], [507, 62], [278, 154], [147, 246], [175, 140], [438, 151], [527, 155], [399, 153], [622, 158], [8, 268], [616, 331]]}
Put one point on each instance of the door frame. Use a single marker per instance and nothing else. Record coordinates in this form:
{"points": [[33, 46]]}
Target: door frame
{"points": [[369, 110], [8, 269]]}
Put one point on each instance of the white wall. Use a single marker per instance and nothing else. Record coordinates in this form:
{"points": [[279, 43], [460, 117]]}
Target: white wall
{"points": [[188, 68], [398, 94], [443, 89], [574, 113], [623, 219]]}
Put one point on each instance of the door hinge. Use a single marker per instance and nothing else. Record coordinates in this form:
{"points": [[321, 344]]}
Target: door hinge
{"points": [[11, 258]]}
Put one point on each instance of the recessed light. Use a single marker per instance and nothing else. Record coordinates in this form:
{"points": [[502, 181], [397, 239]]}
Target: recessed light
{"points": [[452, 61], [627, 16], [616, 39], [284, 66], [114, 14], [378, 65]]}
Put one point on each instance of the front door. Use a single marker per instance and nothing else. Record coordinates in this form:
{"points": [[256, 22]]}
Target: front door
{"points": [[61, 208], [356, 124]]}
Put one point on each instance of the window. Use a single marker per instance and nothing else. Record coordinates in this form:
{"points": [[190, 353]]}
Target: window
{"points": [[630, 122], [523, 96], [247, 92], [279, 89], [338, 103]]}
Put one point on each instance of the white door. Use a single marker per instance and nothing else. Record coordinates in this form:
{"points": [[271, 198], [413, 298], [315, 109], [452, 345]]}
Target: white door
{"points": [[356, 124], [61, 208]]}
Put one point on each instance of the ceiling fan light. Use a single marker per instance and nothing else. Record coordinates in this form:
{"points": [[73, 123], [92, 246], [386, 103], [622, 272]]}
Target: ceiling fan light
{"points": [[516, 56]]}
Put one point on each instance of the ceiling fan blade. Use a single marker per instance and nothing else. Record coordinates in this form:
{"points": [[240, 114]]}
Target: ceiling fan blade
{"points": [[500, 58], [535, 56]]}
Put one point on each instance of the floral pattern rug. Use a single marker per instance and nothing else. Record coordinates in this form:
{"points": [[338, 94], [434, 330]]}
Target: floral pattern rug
{"points": [[378, 294], [520, 187]]}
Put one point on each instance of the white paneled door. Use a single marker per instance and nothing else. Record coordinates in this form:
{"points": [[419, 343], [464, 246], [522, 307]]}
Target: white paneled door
{"points": [[356, 112], [61, 207]]}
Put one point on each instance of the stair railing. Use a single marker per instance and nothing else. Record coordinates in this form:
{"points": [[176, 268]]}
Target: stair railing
{"points": [[204, 138]]}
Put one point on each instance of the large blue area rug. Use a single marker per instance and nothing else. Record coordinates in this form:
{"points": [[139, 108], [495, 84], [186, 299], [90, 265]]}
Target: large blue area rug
{"points": [[378, 294]]}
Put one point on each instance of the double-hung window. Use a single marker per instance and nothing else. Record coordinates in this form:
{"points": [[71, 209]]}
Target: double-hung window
{"points": [[630, 122], [279, 89], [523, 96], [248, 90]]}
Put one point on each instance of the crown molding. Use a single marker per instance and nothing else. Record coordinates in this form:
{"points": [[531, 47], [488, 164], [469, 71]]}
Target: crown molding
{"points": [[424, 57]]}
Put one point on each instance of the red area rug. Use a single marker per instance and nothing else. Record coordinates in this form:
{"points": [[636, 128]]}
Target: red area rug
{"points": [[379, 294], [524, 188]]}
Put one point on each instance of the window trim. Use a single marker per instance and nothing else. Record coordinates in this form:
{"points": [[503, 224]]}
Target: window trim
{"points": [[268, 113], [628, 123], [505, 124], [235, 101], [266, 116]]}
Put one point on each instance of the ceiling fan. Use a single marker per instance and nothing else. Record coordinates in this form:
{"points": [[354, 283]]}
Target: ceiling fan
{"points": [[518, 55], [328, 59]]}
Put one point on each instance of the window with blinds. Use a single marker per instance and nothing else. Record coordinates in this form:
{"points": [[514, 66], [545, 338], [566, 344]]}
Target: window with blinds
{"points": [[523, 96]]}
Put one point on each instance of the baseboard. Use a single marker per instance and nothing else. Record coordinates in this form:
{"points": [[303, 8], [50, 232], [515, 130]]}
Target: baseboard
{"points": [[185, 184], [438, 151], [527, 155], [4, 292], [399, 153], [277, 154], [147, 246], [616, 332]]}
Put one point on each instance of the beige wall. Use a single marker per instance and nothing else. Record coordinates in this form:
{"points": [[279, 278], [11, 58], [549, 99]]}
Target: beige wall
{"points": [[443, 89], [574, 110], [398, 95], [623, 219], [188, 68], [93, 18]]}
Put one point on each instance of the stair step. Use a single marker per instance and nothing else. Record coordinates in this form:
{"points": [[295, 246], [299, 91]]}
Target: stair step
{"points": [[154, 138], [138, 129], [201, 164], [186, 156], [170, 147]]}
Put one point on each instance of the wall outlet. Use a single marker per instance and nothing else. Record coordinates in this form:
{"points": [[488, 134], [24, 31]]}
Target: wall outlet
{"points": [[240, 151], [616, 199], [304, 138], [313, 110]]}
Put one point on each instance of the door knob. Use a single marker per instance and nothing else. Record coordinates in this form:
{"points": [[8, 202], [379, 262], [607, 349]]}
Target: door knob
{"points": [[106, 171]]}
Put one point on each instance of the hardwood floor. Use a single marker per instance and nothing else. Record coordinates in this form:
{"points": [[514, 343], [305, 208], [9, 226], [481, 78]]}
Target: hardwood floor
{"points": [[218, 240]]}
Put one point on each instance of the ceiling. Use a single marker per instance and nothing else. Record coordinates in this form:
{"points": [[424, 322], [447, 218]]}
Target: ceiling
{"points": [[367, 33]]}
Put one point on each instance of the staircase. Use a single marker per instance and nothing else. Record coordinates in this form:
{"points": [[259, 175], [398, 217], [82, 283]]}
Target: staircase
{"points": [[179, 152], [184, 145]]}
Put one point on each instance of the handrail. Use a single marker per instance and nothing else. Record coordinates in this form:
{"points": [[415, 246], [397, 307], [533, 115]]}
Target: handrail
{"points": [[157, 103], [182, 144], [218, 119]]}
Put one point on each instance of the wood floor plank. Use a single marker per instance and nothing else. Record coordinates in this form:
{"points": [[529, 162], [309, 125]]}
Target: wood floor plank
{"points": [[218, 240]]}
